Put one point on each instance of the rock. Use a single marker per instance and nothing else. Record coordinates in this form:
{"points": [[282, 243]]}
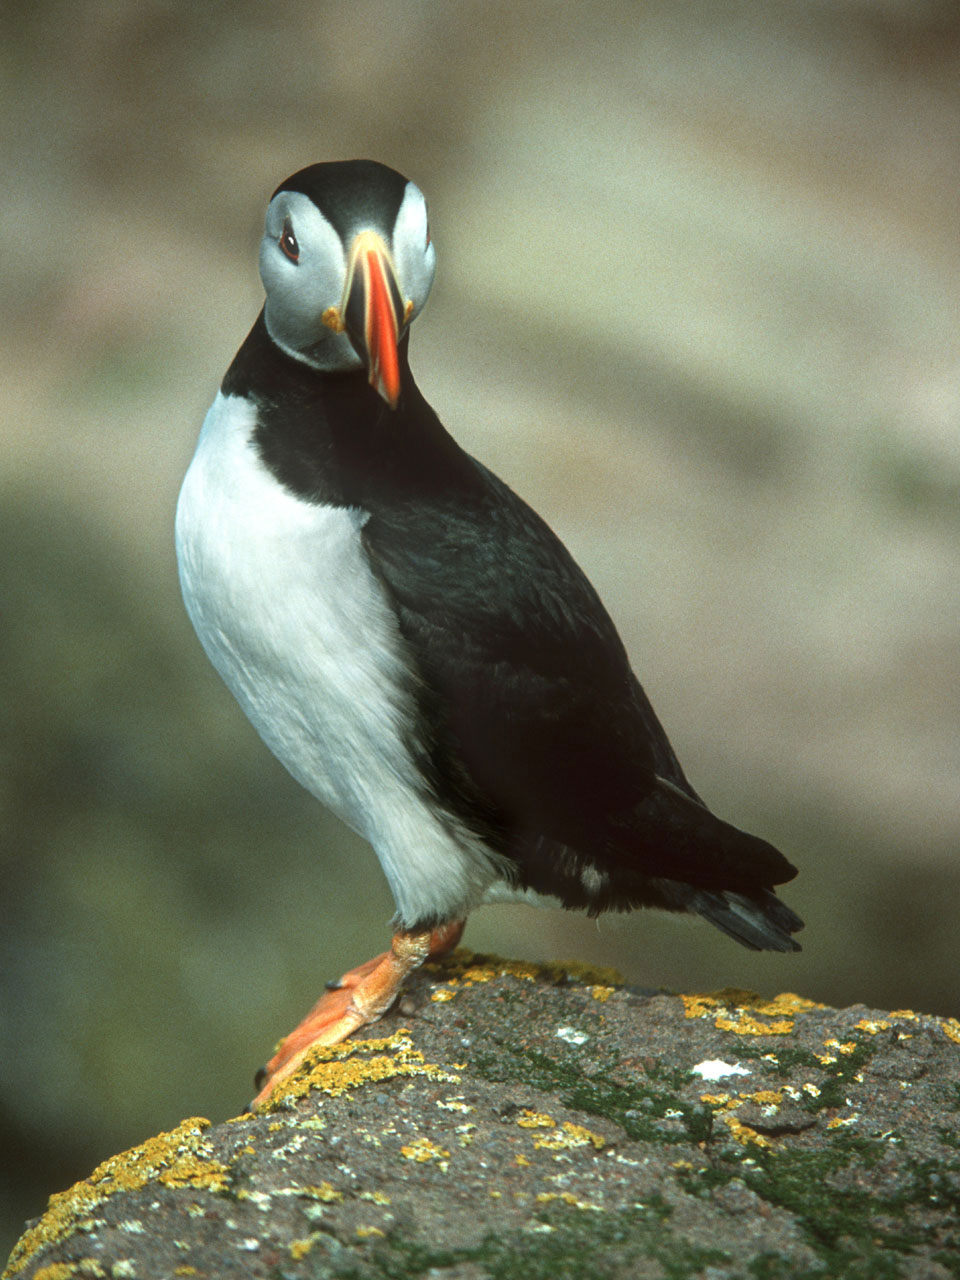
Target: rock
{"points": [[549, 1122]]}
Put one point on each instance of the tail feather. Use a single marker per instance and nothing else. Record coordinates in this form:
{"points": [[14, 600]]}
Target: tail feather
{"points": [[672, 852], [756, 920]]}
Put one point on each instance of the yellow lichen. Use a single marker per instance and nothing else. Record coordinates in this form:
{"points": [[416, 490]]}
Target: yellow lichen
{"points": [[951, 1029], [602, 993], [567, 1197], [422, 1150], [55, 1271], [258, 1198], [840, 1122], [872, 1026], [745, 1025], [465, 1134], [335, 1069], [746, 1014], [364, 1233], [766, 1097], [522, 1161], [185, 1271], [705, 1004], [591, 974], [848, 1047], [788, 1002], [441, 996], [375, 1197], [528, 1119], [726, 1104], [470, 967], [717, 1099], [300, 1248], [326, 1192], [481, 973], [180, 1158], [571, 1135], [743, 1134]]}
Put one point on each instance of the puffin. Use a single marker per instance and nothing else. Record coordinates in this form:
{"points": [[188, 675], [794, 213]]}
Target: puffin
{"points": [[410, 639]]}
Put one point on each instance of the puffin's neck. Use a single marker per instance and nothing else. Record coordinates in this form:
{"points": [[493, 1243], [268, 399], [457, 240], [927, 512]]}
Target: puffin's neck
{"points": [[330, 438]]}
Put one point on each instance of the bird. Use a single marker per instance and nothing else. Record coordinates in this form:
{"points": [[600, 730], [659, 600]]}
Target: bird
{"points": [[410, 639]]}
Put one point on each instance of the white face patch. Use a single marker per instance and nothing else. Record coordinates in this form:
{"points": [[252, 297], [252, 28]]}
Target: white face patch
{"points": [[298, 293], [413, 253]]}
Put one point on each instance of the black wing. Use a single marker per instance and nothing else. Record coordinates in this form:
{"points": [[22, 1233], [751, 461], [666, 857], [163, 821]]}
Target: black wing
{"points": [[534, 728]]}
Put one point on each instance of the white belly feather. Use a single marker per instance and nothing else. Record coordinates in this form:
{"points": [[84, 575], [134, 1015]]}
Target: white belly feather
{"points": [[292, 617]]}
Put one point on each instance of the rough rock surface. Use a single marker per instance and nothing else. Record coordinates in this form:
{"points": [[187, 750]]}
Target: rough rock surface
{"points": [[513, 1120]]}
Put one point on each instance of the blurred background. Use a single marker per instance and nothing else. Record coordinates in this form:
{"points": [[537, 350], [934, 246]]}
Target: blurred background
{"points": [[698, 300]]}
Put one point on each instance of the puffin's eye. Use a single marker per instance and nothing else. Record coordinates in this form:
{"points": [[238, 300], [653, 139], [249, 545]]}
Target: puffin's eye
{"points": [[288, 242]]}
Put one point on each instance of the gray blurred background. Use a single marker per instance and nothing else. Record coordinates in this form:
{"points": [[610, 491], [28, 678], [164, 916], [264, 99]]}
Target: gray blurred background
{"points": [[698, 300]]}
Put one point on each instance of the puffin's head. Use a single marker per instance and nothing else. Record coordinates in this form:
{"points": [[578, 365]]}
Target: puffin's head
{"points": [[347, 262]]}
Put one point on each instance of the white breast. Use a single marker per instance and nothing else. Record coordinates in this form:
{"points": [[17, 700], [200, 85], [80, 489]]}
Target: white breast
{"points": [[292, 617]]}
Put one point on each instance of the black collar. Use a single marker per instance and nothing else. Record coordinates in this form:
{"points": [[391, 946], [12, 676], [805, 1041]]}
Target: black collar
{"points": [[330, 438]]}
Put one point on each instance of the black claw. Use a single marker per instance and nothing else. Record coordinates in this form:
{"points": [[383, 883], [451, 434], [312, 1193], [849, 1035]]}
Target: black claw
{"points": [[259, 1078], [333, 985]]}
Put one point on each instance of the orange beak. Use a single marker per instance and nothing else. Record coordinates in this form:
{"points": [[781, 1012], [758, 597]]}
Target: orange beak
{"points": [[373, 312]]}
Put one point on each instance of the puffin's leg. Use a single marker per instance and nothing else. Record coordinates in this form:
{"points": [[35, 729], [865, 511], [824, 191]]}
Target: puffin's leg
{"points": [[361, 996]]}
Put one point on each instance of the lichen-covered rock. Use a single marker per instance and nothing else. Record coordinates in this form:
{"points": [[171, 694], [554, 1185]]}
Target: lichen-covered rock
{"points": [[515, 1120]]}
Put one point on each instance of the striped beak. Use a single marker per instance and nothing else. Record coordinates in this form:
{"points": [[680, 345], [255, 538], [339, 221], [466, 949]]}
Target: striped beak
{"points": [[373, 312]]}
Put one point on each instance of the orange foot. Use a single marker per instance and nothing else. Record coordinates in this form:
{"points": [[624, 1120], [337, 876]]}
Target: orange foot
{"points": [[361, 996]]}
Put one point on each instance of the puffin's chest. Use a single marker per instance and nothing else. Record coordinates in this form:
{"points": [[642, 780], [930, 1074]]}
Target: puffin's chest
{"points": [[286, 606]]}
